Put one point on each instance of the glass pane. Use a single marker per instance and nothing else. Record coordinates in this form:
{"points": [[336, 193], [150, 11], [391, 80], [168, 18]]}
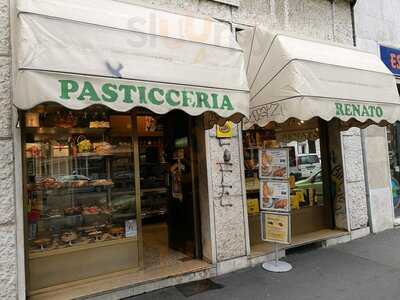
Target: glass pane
{"points": [[306, 183], [393, 132], [80, 191]]}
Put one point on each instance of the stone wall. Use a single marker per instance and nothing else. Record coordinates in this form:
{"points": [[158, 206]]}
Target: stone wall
{"points": [[8, 261], [228, 195], [377, 22], [354, 180], [320, 19]]}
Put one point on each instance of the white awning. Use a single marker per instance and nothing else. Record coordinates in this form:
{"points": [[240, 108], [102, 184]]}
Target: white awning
{"points": [[78, 53], [297, 78]]}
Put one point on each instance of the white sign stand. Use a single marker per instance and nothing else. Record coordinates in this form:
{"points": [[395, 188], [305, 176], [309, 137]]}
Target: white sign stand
{"points": [[276, 265]]}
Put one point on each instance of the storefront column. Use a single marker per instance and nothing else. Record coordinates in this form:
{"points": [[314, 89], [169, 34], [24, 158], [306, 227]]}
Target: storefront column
{"points": [[8, 249], [227, 203], [347, 165], [355, 189], [378, 178]]}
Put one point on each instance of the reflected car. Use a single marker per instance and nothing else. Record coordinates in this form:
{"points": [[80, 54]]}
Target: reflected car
{"points": [[313, 182], [306, 165]]}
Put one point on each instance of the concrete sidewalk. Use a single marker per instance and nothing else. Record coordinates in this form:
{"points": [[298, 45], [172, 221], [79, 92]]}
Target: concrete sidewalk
{"points": [[368, 268]]}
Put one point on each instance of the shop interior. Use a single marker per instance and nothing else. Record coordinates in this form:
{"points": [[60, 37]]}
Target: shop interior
{"points": [[311, 204], [107, 192], [393, 137]]}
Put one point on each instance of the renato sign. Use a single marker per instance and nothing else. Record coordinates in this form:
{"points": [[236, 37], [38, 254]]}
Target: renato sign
{"points": [[358, 110], [110, 92]]}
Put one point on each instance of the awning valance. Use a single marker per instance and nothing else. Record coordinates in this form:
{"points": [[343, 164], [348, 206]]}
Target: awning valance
{"points": [[297, 78], [78, 53]]}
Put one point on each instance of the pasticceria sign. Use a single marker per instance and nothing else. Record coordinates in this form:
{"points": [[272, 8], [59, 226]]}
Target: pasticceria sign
{"points": [[142, 95], [358, 110]]}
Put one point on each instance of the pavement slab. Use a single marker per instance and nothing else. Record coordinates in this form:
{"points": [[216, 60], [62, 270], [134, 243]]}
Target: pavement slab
{"points": [[367, 269]]}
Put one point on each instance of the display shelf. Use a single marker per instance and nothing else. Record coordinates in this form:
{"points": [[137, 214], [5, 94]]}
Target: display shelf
{"points": [[154, 190], [86, 155], [80, 216], [71, 190], [75, 248], [66, 131]]}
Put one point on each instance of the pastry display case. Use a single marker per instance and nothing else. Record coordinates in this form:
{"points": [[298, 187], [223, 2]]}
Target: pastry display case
{"points": [[80, 197]]}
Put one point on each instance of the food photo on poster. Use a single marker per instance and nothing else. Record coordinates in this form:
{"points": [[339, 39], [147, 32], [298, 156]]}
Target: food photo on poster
{"points": [[274, 163], [275, 195]]}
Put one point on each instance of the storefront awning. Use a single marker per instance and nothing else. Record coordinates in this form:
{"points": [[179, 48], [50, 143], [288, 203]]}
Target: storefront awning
{"points": [[78, 53], [291, 77]]}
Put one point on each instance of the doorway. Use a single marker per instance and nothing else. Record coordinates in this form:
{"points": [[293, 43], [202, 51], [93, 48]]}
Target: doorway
{"points": [[168, 188]]}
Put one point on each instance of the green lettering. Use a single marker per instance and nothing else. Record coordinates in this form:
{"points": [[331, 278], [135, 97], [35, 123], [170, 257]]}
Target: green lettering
{"points": [[169, 98], [339, 109], [127, 89], [153, 97], [365, 111], [88, 91], [68, 86], [142, 94], [372, 111], [109, 93], [202, 99], [356, 109], [226, 102], [379, 111], [186, 100], [214, 101], [347, 109]]}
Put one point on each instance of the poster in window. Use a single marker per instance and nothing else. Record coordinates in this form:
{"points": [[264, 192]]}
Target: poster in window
{"points": [[176, 178], [130, 228], [274, 163], [275, 195], [275, 227]]}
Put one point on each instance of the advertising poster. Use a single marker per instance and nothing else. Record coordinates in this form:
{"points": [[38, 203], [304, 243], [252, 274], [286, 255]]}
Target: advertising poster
{"points": [[274, 163], [130, 228], [275, 195], [275, 227]]}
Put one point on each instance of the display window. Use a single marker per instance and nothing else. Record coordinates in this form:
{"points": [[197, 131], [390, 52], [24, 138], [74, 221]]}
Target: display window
{"points": [[310, 205], [393, 133], [105, 192]]}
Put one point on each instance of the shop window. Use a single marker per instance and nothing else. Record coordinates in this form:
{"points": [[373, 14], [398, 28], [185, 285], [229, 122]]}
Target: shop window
{"points": [[393, 133], [105, 192], [310, 209]]}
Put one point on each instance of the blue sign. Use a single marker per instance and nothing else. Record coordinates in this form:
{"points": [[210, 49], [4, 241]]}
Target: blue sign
{"points": [[391, 58]]}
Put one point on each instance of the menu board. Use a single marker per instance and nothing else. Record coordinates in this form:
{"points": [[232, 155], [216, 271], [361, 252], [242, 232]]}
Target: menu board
{"points": [[274, 163], [275, 195], [275, 227]]}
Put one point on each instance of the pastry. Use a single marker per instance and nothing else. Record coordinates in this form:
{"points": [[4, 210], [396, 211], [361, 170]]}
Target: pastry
{"points": [[103, 148], [42, 243], [68, 237], [280, 172], [116, 231], [93, 210], [280, 204]]}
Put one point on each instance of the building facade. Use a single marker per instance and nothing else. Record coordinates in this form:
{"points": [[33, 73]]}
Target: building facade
{"points": [[225, 233], [376, 23]]}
